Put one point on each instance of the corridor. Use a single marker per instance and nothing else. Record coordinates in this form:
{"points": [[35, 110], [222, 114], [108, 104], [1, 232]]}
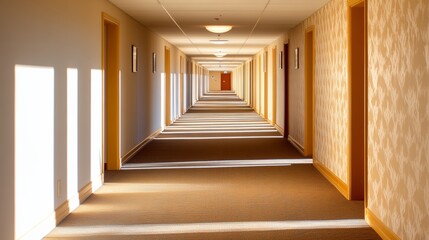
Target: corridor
{"points": [[218, 172]]}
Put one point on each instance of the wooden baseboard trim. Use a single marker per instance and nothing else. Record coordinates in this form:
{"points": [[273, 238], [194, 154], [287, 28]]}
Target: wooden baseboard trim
{"points": [[332, 178], [379, 226], [280, 129], [296, 144], [139, 146], [46, 225], [70, 205]]}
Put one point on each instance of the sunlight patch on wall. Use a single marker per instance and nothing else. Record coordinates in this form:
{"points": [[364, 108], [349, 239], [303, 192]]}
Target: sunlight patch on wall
{"points": [[162, 100], [185, 92], [34, 146], [96, 123], [72, 132]]}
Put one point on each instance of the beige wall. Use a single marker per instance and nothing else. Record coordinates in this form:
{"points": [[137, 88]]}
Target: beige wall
{"points": [[214, 80], [398, 112], [61, 35], [279, 80], [398, 115]]}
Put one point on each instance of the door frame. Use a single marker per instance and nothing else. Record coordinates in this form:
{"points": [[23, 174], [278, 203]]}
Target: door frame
{"points": [[309, 98], [274, 84], [356, 190], [110, 56], [265, 70]]}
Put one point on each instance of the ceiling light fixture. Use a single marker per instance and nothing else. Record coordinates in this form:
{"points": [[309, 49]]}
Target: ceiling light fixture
{"points": [[218, 28], [218, 41], [220, 54]]}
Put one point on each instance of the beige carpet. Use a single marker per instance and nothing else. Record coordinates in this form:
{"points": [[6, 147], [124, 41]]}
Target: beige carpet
{"points": [[240, 202]]}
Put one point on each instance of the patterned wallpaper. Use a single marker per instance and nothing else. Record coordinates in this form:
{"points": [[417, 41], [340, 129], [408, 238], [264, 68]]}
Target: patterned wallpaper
{"points": [[331, 86], [398, 105], [398, 115]]}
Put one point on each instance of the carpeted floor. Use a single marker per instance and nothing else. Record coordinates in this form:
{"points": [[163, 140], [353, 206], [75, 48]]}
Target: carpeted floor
{"points": [[264, 201]]}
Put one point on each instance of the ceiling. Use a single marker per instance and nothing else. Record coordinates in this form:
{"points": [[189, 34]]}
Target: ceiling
{"points": [[256, 24]]}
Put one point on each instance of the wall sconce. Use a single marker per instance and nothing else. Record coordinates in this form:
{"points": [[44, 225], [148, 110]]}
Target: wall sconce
{"points": [[133, 58], [296, 58]]}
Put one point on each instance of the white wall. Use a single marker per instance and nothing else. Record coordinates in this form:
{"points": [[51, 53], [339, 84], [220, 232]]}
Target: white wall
{"points": [[59, 37]]}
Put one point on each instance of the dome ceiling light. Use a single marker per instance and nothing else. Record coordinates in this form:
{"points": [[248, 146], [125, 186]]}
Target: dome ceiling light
{"points": [[219, 41], [218, 28], [220, 54]]}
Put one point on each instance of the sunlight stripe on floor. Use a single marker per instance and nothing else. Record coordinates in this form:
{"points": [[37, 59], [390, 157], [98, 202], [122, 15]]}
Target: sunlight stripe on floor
{"points": [[215, 227], [217, 164]]}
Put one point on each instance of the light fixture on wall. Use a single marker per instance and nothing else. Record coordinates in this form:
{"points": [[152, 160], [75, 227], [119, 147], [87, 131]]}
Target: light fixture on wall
{"points": [[296, 58], [218, 28]]}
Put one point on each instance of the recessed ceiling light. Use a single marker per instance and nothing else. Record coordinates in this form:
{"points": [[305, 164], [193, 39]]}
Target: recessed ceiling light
{"points": [[219, 41], [218, 28]]}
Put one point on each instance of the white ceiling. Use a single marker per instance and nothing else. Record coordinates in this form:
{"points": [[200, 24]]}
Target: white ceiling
{"points": [[256, 24]]}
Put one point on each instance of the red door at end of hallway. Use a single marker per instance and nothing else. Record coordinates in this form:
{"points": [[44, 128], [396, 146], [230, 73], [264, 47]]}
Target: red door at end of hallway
{"points": [[225, 81]]}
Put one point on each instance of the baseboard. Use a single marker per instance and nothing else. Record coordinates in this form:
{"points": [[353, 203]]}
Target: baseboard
{"points": [[379, 226], [332, 178], [296, 144], [45, 226], [70, 205], [280, 129], [139, 146]]}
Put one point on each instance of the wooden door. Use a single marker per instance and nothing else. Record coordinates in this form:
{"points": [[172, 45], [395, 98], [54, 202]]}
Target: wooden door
{"points": [[309, 93], [286, 68], [357, 111], [225, 81]]}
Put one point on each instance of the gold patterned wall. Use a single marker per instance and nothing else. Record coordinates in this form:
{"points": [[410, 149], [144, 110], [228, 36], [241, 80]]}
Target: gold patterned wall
{"points": [[398, 105], [398, 115], [330, 86]]}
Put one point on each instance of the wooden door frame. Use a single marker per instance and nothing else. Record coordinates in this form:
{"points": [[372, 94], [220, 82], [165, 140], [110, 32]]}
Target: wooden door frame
{"points": [[110, 151], [286, 70], [259, 99], [167, 68], [274, 74], [355, 192], [309, 98]]}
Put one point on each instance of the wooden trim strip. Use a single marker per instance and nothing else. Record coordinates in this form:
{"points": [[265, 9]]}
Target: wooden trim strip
{"points": [[62, 211], [379, 226], [280, 129], [352, 3], [70, 205], [139, 146], [296, 144], [332, 178]]}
